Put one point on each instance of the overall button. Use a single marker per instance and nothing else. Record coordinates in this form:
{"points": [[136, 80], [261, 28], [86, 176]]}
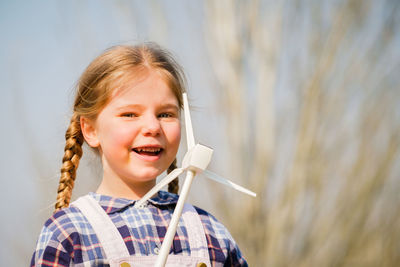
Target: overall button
{"points": [[156, 250], [125, 264], [201, 264]]}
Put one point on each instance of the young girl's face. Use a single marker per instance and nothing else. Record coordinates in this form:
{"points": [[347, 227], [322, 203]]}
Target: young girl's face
{"points": [[138, 131]]}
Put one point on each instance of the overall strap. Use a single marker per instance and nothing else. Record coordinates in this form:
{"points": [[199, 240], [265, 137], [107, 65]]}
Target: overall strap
{"points": [[106, 231], [195, 230]]}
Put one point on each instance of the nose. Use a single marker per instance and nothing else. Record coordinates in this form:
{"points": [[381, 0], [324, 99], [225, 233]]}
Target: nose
{"points": [[151, 126]]}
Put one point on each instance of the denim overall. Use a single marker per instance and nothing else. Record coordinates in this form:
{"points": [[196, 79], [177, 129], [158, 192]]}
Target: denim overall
{"points": [[116, 251]]}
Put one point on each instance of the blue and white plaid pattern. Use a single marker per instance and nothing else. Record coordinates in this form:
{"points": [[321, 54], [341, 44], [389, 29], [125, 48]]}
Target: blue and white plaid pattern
{"points": [[67, 238]]}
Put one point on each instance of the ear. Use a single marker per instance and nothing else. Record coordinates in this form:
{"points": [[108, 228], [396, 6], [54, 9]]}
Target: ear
{"points": [[89, 132]]}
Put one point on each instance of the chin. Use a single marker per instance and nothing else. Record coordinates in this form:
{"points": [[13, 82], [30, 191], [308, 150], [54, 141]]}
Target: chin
{"points": [[148, 175]]}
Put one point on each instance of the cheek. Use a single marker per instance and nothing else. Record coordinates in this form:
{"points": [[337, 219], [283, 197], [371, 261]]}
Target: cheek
{"points": [[173, 134], [115, 136]]}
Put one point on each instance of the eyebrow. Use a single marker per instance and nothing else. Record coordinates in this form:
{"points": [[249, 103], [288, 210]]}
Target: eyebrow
{"points": [[140, 106], [169, 105]]}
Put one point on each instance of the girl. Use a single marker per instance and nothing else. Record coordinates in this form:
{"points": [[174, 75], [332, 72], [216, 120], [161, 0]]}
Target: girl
{"points": [[127, 107]]}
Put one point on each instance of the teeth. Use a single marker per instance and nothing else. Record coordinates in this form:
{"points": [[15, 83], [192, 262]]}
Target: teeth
{"points": [[149, 149]]}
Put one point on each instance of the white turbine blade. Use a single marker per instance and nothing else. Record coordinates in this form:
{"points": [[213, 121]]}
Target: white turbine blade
{"points": [[188, 123], [224, 181], [166, 180]]}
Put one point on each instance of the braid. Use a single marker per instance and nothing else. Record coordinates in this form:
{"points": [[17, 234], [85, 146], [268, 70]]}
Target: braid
{"points": [[72, 155], [173, 187]]}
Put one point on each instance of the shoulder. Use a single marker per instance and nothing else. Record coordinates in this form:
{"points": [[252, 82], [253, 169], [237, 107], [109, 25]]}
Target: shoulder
{"points": [[211, 224], [60, 237], [65, 220], [220, 242], [62, 226]]}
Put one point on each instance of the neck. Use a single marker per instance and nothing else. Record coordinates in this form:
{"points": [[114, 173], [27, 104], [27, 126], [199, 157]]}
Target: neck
{"points": [[118, 186], [115, 189]]}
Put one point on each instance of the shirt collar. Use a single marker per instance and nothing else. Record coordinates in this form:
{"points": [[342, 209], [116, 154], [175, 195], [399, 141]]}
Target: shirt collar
{"points": [[114, 204]]}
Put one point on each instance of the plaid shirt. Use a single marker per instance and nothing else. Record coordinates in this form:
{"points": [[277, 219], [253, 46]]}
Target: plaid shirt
{"points": [[67, 238]]}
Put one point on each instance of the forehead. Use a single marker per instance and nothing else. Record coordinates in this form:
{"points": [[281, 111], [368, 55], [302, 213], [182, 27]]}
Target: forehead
{"points": [[144, 86]]}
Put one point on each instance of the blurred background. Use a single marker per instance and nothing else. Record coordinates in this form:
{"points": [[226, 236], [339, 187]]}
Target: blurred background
{"points": [[299, 99]]}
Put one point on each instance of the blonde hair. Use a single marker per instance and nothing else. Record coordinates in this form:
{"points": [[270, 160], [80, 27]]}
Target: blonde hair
{"points": [[102, 77]]}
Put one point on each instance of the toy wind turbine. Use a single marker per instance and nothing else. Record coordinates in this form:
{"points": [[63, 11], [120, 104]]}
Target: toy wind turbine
{"points": [[194, 162]]}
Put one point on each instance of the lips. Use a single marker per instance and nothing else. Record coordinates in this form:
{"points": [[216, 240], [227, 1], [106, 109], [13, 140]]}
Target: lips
{"points": [[148, 151]]}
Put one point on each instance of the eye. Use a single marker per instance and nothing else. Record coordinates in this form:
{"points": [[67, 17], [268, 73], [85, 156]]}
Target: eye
{"points": [[128, 115], [165, 115]]}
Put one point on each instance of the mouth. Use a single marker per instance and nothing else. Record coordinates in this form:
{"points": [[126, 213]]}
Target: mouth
{"points": [[148, 151]]}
